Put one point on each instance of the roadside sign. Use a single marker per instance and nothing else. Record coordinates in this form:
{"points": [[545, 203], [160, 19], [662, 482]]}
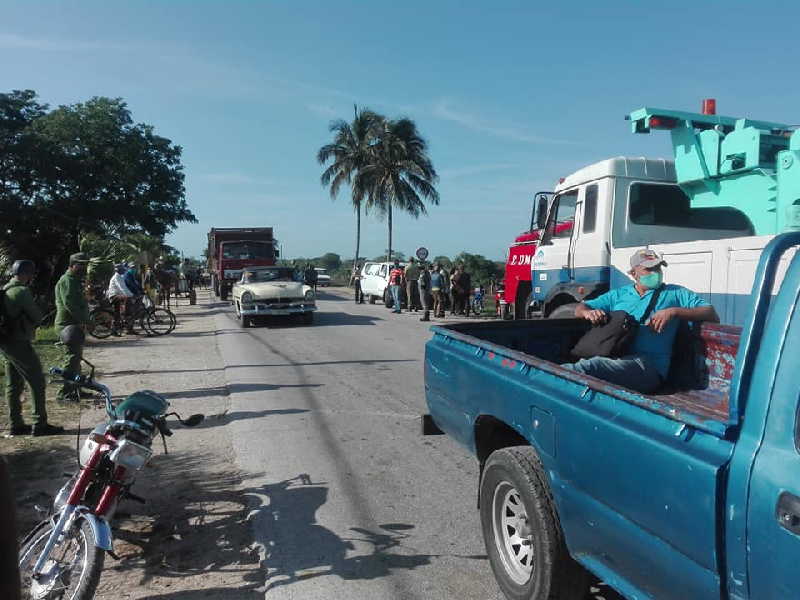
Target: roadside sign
{"points": [[422, 253]]}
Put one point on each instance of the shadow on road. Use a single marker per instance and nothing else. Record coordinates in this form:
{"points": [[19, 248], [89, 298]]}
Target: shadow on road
{"points": [[321, 319], [236, 388], [297, 548], [326, 295], [240, 415]]}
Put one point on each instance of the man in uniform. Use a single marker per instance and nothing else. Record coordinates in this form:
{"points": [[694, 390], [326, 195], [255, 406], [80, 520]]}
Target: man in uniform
{"points": [[72, 316], [412, 296], [21, 361]]}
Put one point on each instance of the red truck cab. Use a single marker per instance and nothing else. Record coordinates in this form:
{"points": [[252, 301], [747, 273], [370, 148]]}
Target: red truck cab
{"points": [[231, 250]]}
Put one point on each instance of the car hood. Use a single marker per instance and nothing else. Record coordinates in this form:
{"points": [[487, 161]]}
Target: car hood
{"points": [[276, 289]]}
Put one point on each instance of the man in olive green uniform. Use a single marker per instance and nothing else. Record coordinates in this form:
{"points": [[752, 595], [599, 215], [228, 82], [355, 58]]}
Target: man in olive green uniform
{"points": [[72, 309], [21, 361], [412, 295]]}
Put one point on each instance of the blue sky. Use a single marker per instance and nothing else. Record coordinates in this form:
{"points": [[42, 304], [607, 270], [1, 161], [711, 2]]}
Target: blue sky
{"points": [[510, 95]]}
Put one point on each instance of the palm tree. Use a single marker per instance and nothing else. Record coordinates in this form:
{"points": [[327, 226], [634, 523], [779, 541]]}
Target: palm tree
{"points": [[349, 152], [399, 173]]}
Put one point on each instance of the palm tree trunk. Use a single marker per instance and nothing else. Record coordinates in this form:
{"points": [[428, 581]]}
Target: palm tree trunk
{"points": [[389, 258], [358, 234]]}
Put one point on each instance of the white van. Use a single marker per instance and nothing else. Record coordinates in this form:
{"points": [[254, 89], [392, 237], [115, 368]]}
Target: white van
{"points": [[375, 282]]}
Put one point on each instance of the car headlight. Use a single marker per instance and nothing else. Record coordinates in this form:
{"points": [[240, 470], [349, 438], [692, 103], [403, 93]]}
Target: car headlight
{"points": [[310, 295], [246, 298]]}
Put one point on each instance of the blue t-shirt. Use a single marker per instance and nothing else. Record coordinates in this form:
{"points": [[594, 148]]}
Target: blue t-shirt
{"points": [[437, 281], [655, 346]]}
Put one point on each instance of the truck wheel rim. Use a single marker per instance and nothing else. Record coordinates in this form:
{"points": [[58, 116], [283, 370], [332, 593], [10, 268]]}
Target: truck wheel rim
{"points": [[512, 533]]}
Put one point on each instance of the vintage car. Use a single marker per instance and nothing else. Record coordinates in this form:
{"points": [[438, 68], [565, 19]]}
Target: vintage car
{"points": [[271, 291]]}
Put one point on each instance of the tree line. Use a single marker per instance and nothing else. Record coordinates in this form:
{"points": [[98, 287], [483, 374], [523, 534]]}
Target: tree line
{"points": [[482, 269], [84, 171]]}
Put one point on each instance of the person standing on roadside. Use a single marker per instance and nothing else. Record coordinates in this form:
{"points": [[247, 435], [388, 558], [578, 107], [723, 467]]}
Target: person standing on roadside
{"points": [[437, 285], [412, 293], [466, 287], [22, 364], [395, 285], [72, 316], [457, 307], [424, 286], [359, 295]]}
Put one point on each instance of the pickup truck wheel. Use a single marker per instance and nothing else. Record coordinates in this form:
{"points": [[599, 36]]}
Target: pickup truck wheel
{"points": [[372, 299], [521, 530]]}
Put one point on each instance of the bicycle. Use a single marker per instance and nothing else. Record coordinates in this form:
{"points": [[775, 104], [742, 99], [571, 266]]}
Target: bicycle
{"points": [[477, 301], [148, 318]]}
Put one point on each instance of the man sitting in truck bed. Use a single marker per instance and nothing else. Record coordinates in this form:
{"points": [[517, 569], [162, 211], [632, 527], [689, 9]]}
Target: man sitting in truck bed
{"points": [[645, 368]]}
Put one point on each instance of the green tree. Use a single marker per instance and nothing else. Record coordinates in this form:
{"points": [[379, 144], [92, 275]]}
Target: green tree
{"points": [[399, 174], [82, 169], [329, 261], [443, 261], [349, 152], [481, 269]]}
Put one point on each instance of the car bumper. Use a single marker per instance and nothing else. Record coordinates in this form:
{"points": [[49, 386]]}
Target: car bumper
{"points": [[266, 310]]}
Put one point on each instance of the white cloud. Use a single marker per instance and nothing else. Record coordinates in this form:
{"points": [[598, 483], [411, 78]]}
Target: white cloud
{"points": [[19, 42], [444, 110]]}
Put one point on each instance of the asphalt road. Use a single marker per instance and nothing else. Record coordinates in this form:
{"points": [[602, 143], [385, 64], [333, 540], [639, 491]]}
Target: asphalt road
{"points": [[350, 501]]}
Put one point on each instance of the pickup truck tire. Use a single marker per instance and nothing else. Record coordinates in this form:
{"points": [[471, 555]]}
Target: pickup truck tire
{"points": [[372, 299], [521, 530], [565, 311]]}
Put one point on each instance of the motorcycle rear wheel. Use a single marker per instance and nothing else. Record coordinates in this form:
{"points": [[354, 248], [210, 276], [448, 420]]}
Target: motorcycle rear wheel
{"points": [[73, 570]]}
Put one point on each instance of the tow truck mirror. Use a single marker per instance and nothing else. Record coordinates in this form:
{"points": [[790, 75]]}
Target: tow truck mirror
{"points": [[541, 212]]}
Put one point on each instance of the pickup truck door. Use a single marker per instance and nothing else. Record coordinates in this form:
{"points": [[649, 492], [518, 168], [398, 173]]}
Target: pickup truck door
{"points": [[773, 509]]}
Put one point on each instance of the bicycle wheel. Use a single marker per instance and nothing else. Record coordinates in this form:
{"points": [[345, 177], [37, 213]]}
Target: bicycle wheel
{"points": [[101, 323], [160, 321]]}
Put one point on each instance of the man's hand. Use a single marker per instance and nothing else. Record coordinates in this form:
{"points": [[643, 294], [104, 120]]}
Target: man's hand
{"points": [[658, 321], [593, 315]]}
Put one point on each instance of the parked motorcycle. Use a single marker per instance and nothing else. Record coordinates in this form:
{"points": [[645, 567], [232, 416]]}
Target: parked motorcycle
{"points": [[62, 558]]}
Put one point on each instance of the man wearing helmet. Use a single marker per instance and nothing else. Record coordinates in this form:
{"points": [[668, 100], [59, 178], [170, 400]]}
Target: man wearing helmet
{"points": [[21, 361], [72, 316]]}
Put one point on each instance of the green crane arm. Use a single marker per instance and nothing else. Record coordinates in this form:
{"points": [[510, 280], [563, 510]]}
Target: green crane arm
{"points": [[752, 166]]}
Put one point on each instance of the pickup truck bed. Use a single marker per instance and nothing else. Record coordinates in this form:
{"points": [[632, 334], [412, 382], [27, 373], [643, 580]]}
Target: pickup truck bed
{"points": [[702, 366]]}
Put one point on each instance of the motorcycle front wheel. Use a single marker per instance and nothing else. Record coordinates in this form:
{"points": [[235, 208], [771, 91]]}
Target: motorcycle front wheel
{"points": [[73, 569]]}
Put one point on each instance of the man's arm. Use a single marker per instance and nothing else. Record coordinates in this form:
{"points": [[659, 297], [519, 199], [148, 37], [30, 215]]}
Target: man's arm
{"points": [[660, 319], [30, 308], [76, 302]]}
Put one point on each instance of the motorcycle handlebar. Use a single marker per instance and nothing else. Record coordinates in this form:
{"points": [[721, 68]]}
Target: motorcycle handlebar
{"points": [[87, 382]]}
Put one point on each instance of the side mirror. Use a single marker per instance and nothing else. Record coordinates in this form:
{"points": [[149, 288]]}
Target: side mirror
{"points": [[193, 420], [541, 212]]}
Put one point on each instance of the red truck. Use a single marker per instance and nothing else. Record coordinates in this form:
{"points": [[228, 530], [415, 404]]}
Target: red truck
{"points": [[231, 249]]}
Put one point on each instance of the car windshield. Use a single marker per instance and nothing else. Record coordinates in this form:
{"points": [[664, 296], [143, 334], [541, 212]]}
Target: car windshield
{"points": [[246, 250], [276, 274]]}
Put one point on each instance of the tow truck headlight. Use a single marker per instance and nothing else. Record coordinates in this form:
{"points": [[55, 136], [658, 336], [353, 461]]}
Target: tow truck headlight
{"points": [[246, 298], [130, 455], [310, 296]]}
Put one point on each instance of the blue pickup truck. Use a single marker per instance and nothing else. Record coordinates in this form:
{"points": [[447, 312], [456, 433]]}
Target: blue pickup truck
{"points": [[690, 493]]}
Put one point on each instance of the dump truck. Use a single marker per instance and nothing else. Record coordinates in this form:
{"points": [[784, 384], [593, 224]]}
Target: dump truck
{"points": [[232, 249]]}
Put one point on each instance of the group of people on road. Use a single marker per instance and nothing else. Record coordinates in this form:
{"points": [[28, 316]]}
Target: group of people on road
{"points": [[20, 318], [427, 286]]}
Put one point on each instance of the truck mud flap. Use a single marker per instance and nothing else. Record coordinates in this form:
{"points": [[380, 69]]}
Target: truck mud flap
{"points": [[429, 426]]}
